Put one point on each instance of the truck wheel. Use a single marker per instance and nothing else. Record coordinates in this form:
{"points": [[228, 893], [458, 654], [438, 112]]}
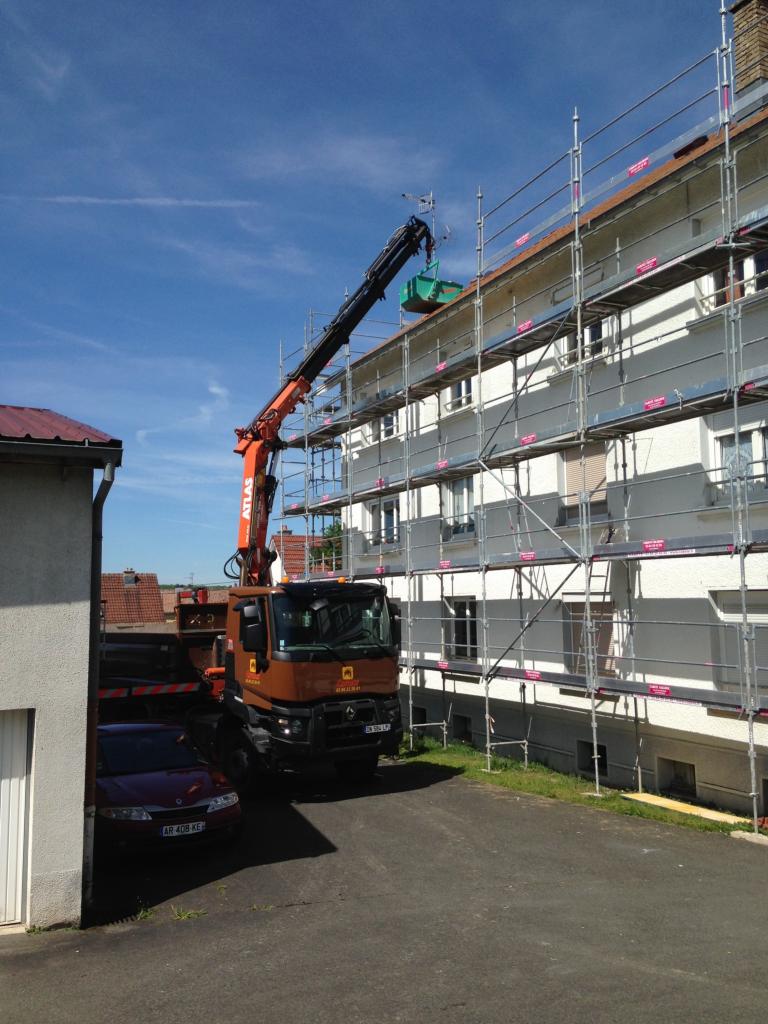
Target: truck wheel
{"points": [[359, 769], [240, 762]]}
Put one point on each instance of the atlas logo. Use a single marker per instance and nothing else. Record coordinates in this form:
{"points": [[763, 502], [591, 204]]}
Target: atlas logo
{"points": [[247, 499]]}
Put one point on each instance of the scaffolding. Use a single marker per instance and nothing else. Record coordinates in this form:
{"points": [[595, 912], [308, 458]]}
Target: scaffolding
{"points": [[567, 263]]}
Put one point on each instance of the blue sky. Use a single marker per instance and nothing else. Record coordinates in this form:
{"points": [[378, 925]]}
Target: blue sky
{"points": [[181, 181]]}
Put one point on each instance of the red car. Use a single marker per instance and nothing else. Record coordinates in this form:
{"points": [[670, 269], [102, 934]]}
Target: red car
{"points": [[152, 786]]}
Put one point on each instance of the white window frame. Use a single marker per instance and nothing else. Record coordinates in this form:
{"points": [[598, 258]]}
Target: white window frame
{"points": [[459, 523], [384, 428], [461, 610], [458, 396], [758, 434], [383, 533]]}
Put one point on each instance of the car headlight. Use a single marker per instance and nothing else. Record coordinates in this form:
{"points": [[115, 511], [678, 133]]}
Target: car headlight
{"points": [[125, 813], [220, 802]]}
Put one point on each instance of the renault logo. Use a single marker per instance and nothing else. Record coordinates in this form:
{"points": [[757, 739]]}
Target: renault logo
{"points": [[349, 712]]}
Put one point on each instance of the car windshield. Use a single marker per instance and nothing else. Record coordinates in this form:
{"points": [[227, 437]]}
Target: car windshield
{"points": [[338, 621], [129, 753]]}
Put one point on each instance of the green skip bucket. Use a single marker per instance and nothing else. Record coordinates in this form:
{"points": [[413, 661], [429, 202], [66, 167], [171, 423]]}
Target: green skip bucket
{"points": [[426, 292]]}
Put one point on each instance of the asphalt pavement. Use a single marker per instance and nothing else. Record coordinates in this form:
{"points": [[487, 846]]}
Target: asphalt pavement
{"points": [[423, 898]]}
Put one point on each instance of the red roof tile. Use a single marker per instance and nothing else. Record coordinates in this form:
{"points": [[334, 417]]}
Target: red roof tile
{"points": [[132, 604], [21, 423], [217, 596], [290, 547]]}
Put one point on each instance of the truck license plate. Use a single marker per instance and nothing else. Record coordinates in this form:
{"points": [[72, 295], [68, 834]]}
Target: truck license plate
{"points": [[377, 728], [184, 830]]}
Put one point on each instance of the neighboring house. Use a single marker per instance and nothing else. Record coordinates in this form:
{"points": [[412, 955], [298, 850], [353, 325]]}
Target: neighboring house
{"points": [[170, 598], [50, 563], [129, 598], [290, 550], [562, 475]]}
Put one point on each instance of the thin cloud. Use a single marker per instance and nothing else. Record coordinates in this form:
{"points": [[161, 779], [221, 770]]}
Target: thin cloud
{"points": [[150, 201], [241, 266], [375, 162]]}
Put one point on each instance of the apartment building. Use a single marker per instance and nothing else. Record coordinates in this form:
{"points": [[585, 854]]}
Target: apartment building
{"points": [[563, 474]]}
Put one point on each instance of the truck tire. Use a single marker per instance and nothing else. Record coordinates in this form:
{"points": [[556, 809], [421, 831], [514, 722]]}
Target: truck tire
{"points": [[358, 769], [240, 762]]}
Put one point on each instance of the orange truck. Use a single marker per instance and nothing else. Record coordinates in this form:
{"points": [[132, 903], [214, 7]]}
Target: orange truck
{"points": [[298, 673]]}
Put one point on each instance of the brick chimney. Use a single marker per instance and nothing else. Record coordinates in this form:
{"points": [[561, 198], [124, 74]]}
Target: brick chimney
{"points": [[750, 34]]}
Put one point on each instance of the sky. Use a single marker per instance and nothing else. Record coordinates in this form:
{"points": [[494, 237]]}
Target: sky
{"points": [[182, 181]]}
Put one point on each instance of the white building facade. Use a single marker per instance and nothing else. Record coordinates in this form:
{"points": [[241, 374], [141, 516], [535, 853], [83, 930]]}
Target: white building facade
{"points": [[562, 475]]}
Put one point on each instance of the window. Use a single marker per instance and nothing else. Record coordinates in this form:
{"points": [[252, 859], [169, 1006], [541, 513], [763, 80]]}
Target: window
{"points": [[594, 479], [459, 395], [385, 427], [593, 343], [727, 648], [585, 758], [601, 613], [459, 498], [724, 287], [460, 628], [462, 728], [761, 271], [676, 777], [385, 521]]}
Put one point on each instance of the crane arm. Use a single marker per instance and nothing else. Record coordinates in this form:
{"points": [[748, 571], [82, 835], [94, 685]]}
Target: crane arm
{"points": [[259, 442]]}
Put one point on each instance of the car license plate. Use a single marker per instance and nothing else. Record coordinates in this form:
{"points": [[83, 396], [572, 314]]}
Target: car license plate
{"points": [[183, 830], [378, 728]]}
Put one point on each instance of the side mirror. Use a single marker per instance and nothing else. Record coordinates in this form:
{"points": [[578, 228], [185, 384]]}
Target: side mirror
{"points": [[254, 637], [395, 623]]}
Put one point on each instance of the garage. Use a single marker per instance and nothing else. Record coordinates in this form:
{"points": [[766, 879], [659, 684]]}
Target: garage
{"points": [[14, 774]]}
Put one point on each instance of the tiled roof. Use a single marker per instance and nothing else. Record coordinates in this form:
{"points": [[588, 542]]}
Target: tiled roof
{"points": [[135, 603], [21, 423], [290, 547]]}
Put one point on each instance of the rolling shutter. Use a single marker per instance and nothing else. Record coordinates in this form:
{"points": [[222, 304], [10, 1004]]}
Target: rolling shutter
{"points": [[595, 475]]}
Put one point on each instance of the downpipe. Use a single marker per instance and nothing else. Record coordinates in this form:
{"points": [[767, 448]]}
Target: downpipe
{"points": [[94, 653]]}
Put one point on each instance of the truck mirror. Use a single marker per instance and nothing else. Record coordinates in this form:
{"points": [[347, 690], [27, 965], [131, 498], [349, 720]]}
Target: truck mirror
{"points": [[254, 637], [394, 618]]}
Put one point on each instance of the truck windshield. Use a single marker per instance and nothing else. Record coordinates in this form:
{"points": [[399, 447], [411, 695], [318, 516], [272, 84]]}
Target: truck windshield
{"points": [[334, 624]]}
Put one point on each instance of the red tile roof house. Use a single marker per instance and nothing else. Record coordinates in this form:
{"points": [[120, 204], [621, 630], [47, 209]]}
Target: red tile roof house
{"points": [[290, 562], [50, 570], [131, 599]]}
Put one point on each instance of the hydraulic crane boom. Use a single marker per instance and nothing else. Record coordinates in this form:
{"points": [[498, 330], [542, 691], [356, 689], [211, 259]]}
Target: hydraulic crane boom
{"points": [[259, 443]]}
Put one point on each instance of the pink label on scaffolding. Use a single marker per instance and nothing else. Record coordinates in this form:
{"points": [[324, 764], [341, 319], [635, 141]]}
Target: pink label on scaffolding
{"points": [[639, 166], [525, 326], [296, 576], [532, 673], [655, 403], [442, 464], [749, 386], [726, 95], [442, 665], [327, 421], [523, 239], [445, 563], [730, 549], [659, 690], [654, 545], [528, 439], [293, 437], [528, 556], [646, 265], [379, 570], [326, 497], [380, 482], [329, 572], [294, 505], [441, 366]]}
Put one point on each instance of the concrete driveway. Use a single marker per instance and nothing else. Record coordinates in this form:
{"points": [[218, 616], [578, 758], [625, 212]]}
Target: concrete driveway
{"points": [[425, 899]]}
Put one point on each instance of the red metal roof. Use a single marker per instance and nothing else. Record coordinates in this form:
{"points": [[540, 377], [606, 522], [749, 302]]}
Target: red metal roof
{"points": [[22, 423], [132, 604]]}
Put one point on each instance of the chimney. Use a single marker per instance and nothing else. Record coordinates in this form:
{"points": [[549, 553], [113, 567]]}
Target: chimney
{"points": [[130, 579], [750, 36], [286, 531]]}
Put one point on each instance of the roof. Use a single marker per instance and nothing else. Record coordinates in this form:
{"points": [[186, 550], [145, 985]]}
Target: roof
{"points": [[290, 548], [23, 423], [132, 604], [29, 433]]}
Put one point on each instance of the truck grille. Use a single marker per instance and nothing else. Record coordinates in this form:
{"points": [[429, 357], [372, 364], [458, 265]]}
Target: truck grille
{"points": [[341, 730]]}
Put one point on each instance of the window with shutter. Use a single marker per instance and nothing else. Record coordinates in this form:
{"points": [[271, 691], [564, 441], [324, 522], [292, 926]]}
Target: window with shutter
{"points": [[602, 622], [596, 484]]}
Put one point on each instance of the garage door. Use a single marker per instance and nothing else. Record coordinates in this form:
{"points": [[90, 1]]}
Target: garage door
{"points": [[13, 813]]}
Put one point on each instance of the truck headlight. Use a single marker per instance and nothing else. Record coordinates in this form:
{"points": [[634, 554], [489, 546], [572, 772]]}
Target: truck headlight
{"points": [[223, 800], [125, 813], [297, 726]]}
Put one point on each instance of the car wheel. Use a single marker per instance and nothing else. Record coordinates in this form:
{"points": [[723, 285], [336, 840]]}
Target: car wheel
{"points": [[240, 762]]}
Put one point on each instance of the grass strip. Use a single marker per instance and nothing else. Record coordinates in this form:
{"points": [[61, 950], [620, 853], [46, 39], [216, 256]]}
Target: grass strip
{"points": [[539, 780]]}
